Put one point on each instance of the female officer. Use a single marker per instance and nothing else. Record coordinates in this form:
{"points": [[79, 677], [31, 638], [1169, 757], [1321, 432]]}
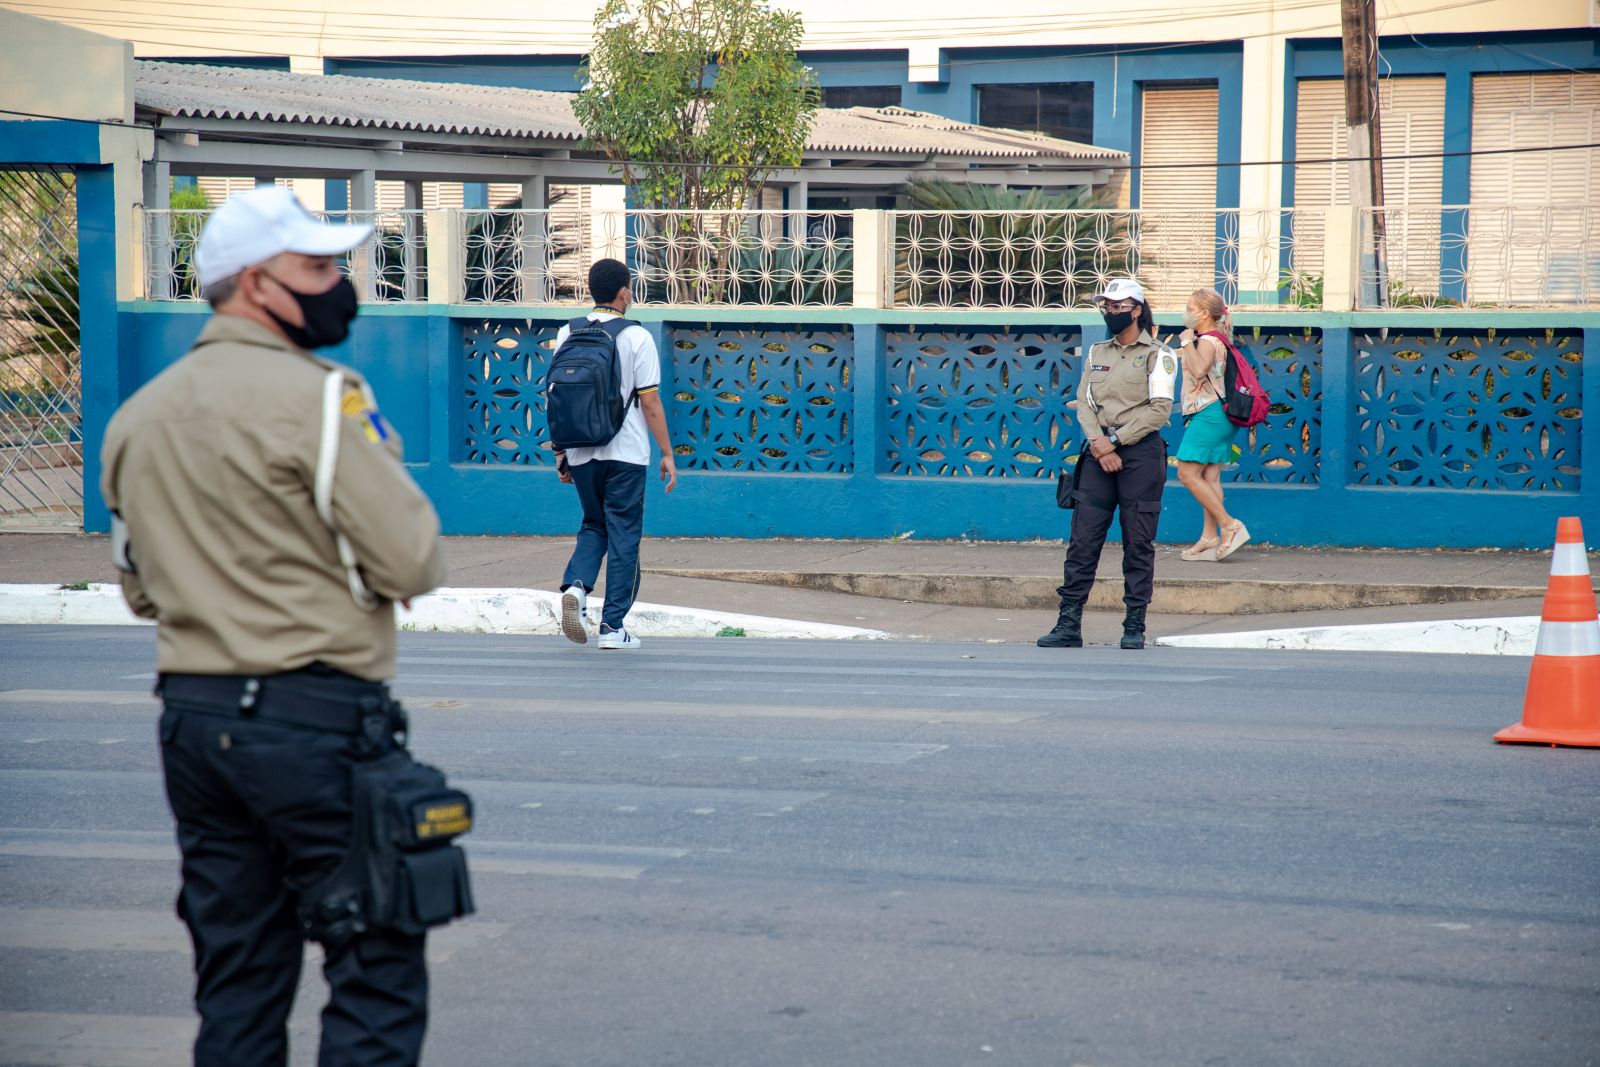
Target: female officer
{"points": [[1124, 399]]}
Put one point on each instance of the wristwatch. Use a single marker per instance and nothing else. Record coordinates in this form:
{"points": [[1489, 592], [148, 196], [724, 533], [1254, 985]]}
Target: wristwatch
{"points": [[1112, 437]]}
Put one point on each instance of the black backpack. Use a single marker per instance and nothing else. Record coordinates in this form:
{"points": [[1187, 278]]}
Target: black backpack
{"points": [[584, 405]]}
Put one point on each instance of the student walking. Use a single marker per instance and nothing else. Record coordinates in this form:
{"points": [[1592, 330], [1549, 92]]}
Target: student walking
{"points": [[1208, 434], [609, 476], [1124, 398]]}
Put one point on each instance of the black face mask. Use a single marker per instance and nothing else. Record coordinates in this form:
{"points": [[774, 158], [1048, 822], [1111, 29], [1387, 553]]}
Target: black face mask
{"points": [[328, 315], [1117, 321]]}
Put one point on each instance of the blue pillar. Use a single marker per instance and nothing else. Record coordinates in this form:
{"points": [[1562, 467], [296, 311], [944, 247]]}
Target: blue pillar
{"points": [[1457, 187], [446, 442], [100, 355], [661, 334], [870, 410], [1589, 432], [475, 196], [1338, 431]]}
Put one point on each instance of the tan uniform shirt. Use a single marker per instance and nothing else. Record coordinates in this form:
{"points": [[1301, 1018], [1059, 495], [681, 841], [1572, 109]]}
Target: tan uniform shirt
{"points": [[1128, 387], [212, 464]]}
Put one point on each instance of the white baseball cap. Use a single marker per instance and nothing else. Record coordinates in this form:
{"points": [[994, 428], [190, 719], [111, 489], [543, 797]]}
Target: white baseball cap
{"points": [[1123, 289], [253, 227]]}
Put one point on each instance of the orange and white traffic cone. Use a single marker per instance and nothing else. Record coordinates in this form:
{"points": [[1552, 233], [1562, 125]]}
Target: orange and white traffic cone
{"points": [[1563, 702]]}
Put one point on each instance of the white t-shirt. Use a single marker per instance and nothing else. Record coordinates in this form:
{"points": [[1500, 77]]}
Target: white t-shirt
{"points": [[641, 370]]}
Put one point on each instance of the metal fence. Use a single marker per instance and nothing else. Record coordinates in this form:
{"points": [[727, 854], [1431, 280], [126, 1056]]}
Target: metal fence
{"points": [[1061, 259], [701, 258], [41, 438], [390, 268], [1481, 255], [1403, 257]]}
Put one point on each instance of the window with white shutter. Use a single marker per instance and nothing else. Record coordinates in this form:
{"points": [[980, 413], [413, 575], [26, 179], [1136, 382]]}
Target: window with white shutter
{"points": [[1411, 118], [1533, 234], [1177, 207]]}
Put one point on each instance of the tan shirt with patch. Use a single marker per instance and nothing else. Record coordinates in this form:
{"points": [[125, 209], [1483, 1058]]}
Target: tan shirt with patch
{"points": [[1128, 387], [212, 464]]}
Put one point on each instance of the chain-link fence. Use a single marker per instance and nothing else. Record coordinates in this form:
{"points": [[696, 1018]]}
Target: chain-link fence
{"points": [[41, 440]]}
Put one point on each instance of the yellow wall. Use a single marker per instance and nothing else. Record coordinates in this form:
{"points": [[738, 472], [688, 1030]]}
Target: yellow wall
{"points": [[52, 69]]}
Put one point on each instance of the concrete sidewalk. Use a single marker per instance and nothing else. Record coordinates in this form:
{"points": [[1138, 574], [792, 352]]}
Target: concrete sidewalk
{"points": [[961, 590]]}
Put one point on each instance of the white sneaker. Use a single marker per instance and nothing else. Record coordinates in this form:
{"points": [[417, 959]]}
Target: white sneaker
{"points": [[573, 603], [610, 638]]}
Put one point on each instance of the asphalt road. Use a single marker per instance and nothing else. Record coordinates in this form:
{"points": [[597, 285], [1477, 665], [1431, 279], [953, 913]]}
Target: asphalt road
{"points": [[739, 853]]}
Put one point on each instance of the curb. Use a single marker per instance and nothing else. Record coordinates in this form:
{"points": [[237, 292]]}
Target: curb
{"points": [[1470, 637], [502, 611], [1173, 596]]}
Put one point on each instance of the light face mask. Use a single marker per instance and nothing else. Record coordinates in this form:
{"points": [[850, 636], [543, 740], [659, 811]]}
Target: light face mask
{"points": [[1190, 319]]}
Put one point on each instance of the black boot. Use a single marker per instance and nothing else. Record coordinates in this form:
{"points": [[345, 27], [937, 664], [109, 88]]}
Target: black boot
{"points": [[1133, 628], [1069, 627]]}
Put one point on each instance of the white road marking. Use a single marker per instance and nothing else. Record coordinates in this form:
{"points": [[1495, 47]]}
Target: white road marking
{"points": [[484, 857], [562, 706]]}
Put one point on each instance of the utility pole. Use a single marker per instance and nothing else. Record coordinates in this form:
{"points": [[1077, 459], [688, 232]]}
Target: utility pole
{"points": [[1363, 142]]}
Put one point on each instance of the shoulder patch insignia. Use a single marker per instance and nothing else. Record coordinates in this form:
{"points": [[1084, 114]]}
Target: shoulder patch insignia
{"points": [[1169, 364], [358, 408]]}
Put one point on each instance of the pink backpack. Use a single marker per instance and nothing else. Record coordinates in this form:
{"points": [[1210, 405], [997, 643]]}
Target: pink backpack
{"points": [[1244, 401]]}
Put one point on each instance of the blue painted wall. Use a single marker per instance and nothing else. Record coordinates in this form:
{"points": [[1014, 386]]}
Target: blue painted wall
{"points": [[553, 73], [870, 424]]}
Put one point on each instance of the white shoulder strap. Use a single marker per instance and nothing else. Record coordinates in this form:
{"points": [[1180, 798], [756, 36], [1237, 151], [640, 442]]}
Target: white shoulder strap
{"points": [[322, 487]]}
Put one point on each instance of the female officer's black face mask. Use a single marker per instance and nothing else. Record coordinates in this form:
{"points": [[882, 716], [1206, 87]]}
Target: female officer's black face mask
{"points": [[327, 315], [1117, 321]]}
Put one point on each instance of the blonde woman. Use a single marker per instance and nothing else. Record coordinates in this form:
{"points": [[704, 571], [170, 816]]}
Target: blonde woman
{"points": [[1208, 435]]}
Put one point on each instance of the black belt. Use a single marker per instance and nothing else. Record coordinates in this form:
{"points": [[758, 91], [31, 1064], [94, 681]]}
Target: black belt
{"points": [[313, 698]]}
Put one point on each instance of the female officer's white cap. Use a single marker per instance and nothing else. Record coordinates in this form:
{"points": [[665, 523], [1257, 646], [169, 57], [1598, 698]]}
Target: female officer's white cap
{"points": [[253, 227], [1123, 289]]}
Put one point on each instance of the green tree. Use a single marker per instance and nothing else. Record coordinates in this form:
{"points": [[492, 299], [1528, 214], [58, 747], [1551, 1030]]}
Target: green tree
{"points": [[697, 101], [192, 207]]}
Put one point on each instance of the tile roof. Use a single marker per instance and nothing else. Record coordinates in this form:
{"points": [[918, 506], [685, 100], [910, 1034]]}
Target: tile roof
{"points": [[192, 90]]}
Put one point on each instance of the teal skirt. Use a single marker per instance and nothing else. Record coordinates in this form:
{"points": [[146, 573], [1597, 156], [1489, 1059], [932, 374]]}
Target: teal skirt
{"points": [[1208, 437]]}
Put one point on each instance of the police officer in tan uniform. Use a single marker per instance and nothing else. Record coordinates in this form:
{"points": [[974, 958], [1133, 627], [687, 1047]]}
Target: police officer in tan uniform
{"points": [[264, 519], [1124, 399]]}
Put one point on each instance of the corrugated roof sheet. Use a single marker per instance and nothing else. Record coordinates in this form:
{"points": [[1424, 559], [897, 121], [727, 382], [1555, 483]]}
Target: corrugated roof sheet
{"points": [[198, 91], [193, 90]]}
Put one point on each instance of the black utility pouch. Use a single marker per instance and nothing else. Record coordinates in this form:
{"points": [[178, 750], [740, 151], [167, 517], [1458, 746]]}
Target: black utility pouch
{"points": [[416, 878]]}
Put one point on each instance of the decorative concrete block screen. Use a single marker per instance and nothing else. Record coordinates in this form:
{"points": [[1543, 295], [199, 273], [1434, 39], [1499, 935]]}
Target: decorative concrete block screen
{"points": [[762, 399], [985, 403], [502, 391], [1468, 410], [1288, 448], [1454, 429]]}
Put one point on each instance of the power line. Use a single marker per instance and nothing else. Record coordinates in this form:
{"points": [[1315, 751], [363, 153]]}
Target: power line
{"points": [[1003, 32], [346, 21]]}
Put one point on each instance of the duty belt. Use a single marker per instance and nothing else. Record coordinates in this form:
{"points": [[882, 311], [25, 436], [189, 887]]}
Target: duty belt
{"points": [[314, 698]]}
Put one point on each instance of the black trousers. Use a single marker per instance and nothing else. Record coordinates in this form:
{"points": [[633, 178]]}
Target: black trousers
{"points": [[1135, 492], [264, 812]]}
